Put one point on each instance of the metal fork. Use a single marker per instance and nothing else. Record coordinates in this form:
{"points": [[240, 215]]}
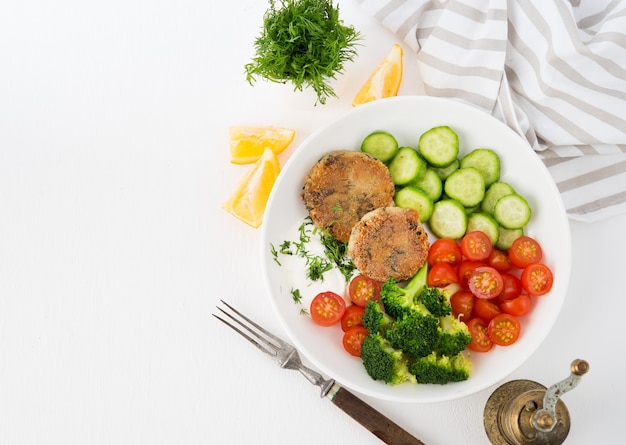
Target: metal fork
{"points": [[287, 357]]}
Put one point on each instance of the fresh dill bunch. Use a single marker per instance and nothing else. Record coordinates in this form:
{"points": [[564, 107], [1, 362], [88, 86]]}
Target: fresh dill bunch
{"points": [[303, 42]]}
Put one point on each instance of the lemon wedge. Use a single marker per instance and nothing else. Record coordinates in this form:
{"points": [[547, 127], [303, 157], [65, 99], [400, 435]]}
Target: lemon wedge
{"points": [[385, 80], [248, 142], [249, 199]]}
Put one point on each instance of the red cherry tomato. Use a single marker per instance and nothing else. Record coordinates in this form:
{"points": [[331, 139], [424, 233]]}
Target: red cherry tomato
{"points": [[462, 304], [441, 274], [480, 335], [327, 308], [444, 250], [363, 289], [537, 279], [499, 260], [353, 340], [525, 251], [353, 316], [512, 287], [504, 329], [485, 309], [465, 269], [518, 306], [485, 282], [476, 246]]}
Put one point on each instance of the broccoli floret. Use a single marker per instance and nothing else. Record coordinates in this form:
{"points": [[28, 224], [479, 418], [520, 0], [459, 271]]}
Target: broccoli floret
{"points": [[441, 369], [435, 301], [383, 362], [398, 300], [416, 333], [454, 336], [375, 320]]}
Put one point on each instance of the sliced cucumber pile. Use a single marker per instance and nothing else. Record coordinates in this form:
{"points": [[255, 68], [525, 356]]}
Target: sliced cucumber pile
{"points": [[452, 193]]}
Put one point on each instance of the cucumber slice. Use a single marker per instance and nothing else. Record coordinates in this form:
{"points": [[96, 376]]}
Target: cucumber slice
{"points": [[495, 191], [406, 166], [444, 172], [485, 223], [506, 237], [431, 183], [439, 146], [380, 144], [466, 185], [448, 219], [512, 211], [485, 161], [415, 198]]}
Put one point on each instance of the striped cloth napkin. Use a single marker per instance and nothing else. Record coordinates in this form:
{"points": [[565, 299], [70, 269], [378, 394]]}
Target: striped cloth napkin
{"points": [[554, 71]]}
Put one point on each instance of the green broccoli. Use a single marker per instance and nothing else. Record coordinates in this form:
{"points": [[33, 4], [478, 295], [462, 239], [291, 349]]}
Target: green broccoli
{"points": [[441, 369], [398, 300], [437, 300], [383, 362], [454, 336], [375, 320], [416, 333], [414, 336]]}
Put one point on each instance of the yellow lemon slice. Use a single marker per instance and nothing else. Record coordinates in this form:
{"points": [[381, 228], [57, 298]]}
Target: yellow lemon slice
{"points": [[250, 197], [385, 80], [247, 143]]}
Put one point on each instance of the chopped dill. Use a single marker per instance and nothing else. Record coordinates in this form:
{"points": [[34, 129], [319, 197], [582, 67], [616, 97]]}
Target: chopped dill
{"points": [[337, 252], [335, 255], [304, 311], [303, 42], [296, 295], [317, 265], [274, 254]]}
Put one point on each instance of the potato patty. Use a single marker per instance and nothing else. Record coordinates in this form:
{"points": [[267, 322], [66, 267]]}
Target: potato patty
{"points": [[343, 186], [389, 242]]}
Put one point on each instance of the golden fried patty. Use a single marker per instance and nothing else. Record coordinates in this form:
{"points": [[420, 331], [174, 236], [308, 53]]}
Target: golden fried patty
{"points": [[389, 242], [342, 187]]}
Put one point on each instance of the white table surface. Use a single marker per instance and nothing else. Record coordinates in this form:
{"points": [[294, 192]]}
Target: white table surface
{"points": [[114, 249]]}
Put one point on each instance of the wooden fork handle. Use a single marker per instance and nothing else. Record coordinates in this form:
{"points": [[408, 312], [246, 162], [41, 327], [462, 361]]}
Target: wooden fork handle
{"points": [[379, 425]]}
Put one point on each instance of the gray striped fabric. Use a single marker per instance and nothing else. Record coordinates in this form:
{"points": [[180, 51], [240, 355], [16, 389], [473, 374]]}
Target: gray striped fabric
{"points": [[554, 71]]}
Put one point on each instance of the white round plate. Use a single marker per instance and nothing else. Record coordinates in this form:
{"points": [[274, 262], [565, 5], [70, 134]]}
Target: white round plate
{"points": [[407, 117]]}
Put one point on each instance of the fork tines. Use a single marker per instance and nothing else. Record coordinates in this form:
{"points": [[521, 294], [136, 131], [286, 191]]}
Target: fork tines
{"points": [[264, 340]]}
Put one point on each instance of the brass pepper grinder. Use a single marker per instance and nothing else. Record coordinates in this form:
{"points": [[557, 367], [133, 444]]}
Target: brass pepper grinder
{"points": [[523, 412]]}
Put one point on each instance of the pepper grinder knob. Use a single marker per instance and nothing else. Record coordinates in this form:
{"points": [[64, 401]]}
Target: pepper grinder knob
{"points": [[545, 419], [523, 412]]}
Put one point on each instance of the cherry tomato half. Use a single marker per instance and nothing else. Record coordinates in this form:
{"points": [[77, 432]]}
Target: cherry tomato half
{"points": [[462, 303], [327, 308], [537, 279], [441, 274], [480, 335], [504, 329], [525, 251], [444, 250], [363, 289], [353, 340], [518, 306], [485, 282], [353, 316], [476, 246], [485, 309]]}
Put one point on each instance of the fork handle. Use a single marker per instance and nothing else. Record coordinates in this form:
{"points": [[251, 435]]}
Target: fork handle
{"points": [[378, 424]]}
